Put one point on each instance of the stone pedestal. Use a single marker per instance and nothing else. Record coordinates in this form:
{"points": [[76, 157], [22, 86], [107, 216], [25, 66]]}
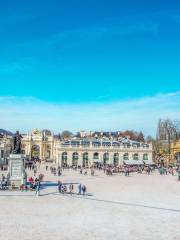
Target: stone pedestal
{"points": [[17, 170]]}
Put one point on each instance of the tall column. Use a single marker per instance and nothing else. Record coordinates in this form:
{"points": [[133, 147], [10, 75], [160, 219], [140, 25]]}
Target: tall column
{"points": [[111, 158]]}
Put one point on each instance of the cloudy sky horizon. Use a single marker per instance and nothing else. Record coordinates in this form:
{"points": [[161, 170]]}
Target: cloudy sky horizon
{"points": [[92, 65], [140, 114]]}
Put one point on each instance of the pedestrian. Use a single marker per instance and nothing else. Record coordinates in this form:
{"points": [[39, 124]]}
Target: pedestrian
{"points": [[62, 188], [84, 190], [65, 188], [37, 188], [79, 189], [59, 172], [178, 174], [59, 186], [71, 188]]}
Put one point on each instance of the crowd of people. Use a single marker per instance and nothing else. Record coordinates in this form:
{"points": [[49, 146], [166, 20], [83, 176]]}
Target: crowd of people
{"points": [[34, 182], [4, 182], [70, 188]]}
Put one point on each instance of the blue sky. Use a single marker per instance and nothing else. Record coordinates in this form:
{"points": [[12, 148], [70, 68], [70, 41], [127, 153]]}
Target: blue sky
{"points": [[86, 59]]}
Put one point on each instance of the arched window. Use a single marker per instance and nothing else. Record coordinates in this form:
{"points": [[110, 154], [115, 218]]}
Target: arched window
{"points": [[105, 158], [96, 156], [136, 156], [145, 156], [126, 156], [85, 159], [116, 159], [64, 159], [35, 152], [75, 158], [48, 154]]}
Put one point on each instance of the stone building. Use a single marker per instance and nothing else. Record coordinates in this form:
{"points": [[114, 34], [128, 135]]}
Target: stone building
{"points": [[175, 152], [5, 149], [85, 151], [38, 144]]}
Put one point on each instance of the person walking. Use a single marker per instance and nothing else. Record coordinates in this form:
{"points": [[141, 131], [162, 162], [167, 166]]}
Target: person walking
{"points": [[79, 189], [178, 172], [59, 172], [71, 188], [59, 186], [38, 188], [84, 190]]}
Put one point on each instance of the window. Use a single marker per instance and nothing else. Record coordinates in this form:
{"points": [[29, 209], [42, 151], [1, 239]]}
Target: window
{"points": [[126, 156], [75, 157], [96, 156], [145, 157], [136, 156], [64, 159], [105, 158], [116, 159], [85, 159]]}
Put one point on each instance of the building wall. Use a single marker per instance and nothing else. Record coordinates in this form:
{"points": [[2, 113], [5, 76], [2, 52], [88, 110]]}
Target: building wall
{"points": [[175, 152], [5, 149], [59, 150], [52, 148], [44, 142]]}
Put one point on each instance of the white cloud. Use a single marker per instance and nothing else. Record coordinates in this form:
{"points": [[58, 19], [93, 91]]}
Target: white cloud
{"points": [[27, 113]]}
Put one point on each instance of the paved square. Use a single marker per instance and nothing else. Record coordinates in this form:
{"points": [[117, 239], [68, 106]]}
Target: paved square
{"points": [[117, 207]]}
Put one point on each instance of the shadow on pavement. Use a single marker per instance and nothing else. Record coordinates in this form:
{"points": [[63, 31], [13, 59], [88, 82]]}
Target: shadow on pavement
{"points": [[86, 197]]}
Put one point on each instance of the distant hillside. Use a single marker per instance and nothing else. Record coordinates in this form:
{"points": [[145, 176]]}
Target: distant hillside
{"points": [[5, 132]]}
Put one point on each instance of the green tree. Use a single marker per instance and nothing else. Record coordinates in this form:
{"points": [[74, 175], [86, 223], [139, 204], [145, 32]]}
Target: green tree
{"points": [[66, 134]]}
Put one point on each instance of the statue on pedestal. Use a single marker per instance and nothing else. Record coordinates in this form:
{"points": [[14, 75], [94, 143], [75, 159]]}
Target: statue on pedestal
{"points": [[17, 143]]}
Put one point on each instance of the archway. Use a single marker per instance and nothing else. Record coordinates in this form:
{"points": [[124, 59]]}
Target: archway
{"points": [[116, 159], [126, 156], [136, 156], [96, 156], [64, 159], [48, 152], [35, 152], [75, 157], [85, 159], [105, 158], [145, 156]]}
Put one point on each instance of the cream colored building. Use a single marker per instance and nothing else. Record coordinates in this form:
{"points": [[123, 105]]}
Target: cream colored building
{"points": [[87, 152], [38, 144], [5, 149], [84, 151], [175, 152]]}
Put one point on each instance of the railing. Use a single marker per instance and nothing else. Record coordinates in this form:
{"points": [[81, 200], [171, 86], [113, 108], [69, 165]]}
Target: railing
{"points": [[105, 147]]}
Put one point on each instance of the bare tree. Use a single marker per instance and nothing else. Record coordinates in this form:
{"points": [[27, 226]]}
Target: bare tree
{"points": [[168, 130]]}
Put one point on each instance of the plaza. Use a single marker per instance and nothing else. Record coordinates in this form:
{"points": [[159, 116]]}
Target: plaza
{"points": [[140, 206], [89, 120]]}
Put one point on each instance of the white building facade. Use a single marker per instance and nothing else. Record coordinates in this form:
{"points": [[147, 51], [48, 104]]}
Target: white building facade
{"points": [[89, 152], [84, 151]]}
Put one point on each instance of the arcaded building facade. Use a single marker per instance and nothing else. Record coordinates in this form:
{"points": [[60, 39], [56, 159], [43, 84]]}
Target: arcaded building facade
{"points": [[85, 151], [88, 152]]}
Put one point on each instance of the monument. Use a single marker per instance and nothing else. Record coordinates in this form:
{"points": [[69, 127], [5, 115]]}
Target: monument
{"points": [[17, 172]]}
